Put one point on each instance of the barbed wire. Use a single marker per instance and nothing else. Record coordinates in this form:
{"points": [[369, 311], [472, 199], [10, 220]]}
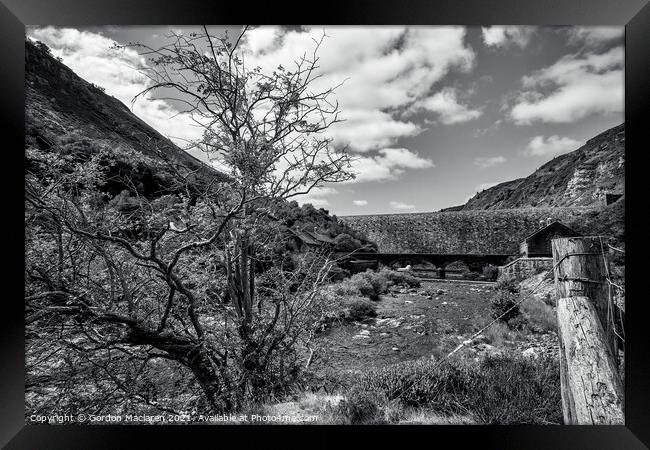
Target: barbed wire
{"points": [[610, 300], [530, 293], [469, 341], [614, 248]]}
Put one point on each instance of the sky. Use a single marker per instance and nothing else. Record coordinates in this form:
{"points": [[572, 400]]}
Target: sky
{"points": [[432, 114]]}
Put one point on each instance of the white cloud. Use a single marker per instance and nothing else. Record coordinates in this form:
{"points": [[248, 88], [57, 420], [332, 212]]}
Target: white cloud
{"points": [[595, 36], [490, 161], [504, 36], [445, 104], [90, 56], [388, 164], [551, 146], [574, 87], [478, 132], [401, 205], [368, 129], [316, 196], [360, 202], [383, 70], [263, 39]]}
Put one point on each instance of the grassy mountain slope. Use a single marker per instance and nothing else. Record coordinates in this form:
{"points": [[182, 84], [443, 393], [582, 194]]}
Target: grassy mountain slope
{"points": [[579, 178], [63, 111]]}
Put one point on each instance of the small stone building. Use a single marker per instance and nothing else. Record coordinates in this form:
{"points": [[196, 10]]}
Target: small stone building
{"points": [[305, 241], [538, 244]]}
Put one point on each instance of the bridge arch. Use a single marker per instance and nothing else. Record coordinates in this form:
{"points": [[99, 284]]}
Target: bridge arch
{"points": [[457, 265], [396, 263], [438, 262]]}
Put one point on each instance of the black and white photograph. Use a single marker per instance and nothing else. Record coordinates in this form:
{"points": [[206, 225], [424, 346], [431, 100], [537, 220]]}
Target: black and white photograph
{"points": [[324, 225]]}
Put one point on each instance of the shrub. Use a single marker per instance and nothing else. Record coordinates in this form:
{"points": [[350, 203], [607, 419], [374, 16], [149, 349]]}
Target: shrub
{"points": [[491, 272], [539, 314], [504, 305], [337, 273], [399, 278], [365, 287], [346, 243], [370, 284], [362, 408], [498, 333], [457, 266], [362, 309], [471, 275], [345, 288], [125, 202], [508, 284], [518, 323]]}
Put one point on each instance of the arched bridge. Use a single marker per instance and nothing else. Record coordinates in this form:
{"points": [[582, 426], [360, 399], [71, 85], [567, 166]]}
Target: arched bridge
{"points": [[474, 262]]}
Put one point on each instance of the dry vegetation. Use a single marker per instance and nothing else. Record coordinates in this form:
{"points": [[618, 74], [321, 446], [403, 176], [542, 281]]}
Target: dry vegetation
{"points": [[387, 364]]}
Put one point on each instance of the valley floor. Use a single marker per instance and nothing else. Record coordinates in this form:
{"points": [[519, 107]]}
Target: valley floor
{"points": [[412, 325], [415, 325]]}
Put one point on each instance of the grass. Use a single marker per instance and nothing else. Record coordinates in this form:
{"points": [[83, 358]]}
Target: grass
{"points": [[316, 402], [326, 408], [539, 314], [495, 390], [426, 417], [498, 333]]}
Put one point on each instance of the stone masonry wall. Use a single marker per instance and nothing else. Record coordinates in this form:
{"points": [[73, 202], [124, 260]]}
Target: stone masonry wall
{"points": [[465, 232], [525, 267]]}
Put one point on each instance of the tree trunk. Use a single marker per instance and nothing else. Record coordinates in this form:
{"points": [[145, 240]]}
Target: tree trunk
{"points": [[592, 392], [205, 366], [211, 381]]}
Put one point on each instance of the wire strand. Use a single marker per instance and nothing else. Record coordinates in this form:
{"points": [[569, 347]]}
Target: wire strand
{"points": [[469, 341]]}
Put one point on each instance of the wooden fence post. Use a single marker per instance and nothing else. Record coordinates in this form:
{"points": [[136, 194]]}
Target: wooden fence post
{"points": [[592, 391]]}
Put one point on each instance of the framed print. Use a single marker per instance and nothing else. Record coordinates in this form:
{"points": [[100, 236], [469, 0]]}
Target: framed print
{"points": [[409, 219]]}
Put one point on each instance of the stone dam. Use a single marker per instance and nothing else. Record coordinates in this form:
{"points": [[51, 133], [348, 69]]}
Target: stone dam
{"points": [[498, 231]]}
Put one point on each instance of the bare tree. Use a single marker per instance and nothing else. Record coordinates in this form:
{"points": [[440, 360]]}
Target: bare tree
{"points": [[191, 274]]}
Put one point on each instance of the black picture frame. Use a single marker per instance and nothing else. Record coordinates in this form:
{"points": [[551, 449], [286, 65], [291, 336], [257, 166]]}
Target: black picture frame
{"points": [[15, 14]]}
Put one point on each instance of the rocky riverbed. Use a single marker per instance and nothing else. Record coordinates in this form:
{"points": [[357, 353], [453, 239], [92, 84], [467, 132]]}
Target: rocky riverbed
{"points": [[428, 321]]}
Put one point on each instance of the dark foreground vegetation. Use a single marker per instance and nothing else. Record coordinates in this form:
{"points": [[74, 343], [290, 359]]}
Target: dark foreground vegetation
{"points": [[152, 281], [496, 390]]}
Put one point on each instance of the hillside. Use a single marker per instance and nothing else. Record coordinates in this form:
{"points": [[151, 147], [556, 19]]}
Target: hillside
{"points": [[65, 112], [72, 119], [576, 179]]}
